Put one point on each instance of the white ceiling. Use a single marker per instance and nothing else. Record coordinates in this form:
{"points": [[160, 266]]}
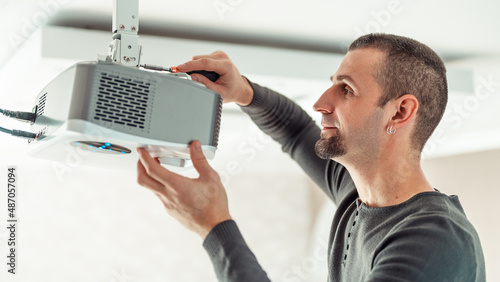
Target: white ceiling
{"points": [[452, 27]]}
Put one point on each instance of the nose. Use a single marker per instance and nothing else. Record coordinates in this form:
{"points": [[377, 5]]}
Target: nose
{"points": [[323, 106]]}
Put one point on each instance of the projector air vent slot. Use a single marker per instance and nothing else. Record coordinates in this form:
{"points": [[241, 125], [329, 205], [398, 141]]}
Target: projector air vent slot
{"points": [[122, 101], [217, 124], [41, 104]]}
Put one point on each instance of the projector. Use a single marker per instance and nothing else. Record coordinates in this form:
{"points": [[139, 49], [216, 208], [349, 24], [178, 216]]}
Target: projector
{"points": [[109, 110], [99, 112]]}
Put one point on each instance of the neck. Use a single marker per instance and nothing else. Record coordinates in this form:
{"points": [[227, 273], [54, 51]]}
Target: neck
{"points": [[388, 180]]}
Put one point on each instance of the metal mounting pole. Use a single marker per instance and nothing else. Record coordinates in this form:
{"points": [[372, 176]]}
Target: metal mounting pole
{"points": [[125, 48]]}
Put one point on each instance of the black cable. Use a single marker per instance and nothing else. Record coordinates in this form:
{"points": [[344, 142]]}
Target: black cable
{"points": [[18, 133], [22, 116], [8, 131]]}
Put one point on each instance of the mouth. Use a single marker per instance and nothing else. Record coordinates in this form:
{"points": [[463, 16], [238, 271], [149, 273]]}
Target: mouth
{"points": [[328, 126], [328, 131]]}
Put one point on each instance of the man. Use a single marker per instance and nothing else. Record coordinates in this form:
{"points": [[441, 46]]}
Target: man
{"points": [[387, 97]]}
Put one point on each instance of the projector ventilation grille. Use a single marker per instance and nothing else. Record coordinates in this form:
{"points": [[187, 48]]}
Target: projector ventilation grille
{"points": [[122, 100], [217, 124], [41, 104]]}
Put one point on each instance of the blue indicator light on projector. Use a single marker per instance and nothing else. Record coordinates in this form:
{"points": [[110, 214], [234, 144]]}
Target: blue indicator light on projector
{"points": [[123, 152], [110, 149], [107, 144], [91, 146], [77, 143]]}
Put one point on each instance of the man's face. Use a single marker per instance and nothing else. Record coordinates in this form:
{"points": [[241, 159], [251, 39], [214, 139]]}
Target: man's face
{"points": [[353, 123]]}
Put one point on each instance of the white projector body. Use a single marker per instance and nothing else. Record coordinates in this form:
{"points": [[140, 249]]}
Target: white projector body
{"points": [[98, 113]]}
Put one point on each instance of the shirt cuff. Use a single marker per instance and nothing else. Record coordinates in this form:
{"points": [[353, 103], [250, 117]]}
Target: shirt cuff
{"points": [[258, 99], [222, 233]]}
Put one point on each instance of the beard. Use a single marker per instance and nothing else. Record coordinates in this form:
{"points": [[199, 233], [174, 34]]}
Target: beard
{"points": [[331, 147]]}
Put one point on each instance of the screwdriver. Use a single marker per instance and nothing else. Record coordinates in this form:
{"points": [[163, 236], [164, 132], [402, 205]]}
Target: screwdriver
{"points": [[213, 76]]}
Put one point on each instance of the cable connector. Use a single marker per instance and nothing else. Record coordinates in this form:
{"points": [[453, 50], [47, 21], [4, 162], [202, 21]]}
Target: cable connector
{"points": [[22, 116], [24, 134], [19, 133]]}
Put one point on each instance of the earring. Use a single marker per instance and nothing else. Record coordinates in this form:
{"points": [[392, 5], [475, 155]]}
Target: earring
{"points": [[390, 131]]}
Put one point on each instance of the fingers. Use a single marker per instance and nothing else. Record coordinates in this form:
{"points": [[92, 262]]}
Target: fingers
{"points": [[145, 180], [230, 85], [208, 64], [205, 81], [163, 194], [217, 54], [200, 163], [155, 171]]}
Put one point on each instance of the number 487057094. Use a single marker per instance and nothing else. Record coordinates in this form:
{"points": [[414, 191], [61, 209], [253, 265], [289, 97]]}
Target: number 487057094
{"points": [[11, 192]]}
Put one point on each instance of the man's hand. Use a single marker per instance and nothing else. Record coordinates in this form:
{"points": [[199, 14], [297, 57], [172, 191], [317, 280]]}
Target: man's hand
{"points": [[231, 85], [199, 204]]}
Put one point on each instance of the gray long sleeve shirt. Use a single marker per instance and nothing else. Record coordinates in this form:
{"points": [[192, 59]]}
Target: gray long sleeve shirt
{"points": [[426, 238]]}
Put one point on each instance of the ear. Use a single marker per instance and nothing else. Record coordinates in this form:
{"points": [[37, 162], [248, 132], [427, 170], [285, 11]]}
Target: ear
{"points": [[406, 108]]}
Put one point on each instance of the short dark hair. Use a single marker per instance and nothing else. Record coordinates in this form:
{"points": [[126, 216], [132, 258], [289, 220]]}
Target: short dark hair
{"points": [[410, 67]]}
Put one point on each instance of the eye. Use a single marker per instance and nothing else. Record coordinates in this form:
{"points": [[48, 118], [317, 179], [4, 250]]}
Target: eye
{"points": [[347, 91]]}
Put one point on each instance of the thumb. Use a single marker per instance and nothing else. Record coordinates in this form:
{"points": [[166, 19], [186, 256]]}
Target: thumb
{"points": [[200, 163]]}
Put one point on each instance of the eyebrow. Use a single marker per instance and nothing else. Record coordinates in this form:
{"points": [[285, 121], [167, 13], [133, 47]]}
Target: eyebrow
{"points": [[345, 77]]}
